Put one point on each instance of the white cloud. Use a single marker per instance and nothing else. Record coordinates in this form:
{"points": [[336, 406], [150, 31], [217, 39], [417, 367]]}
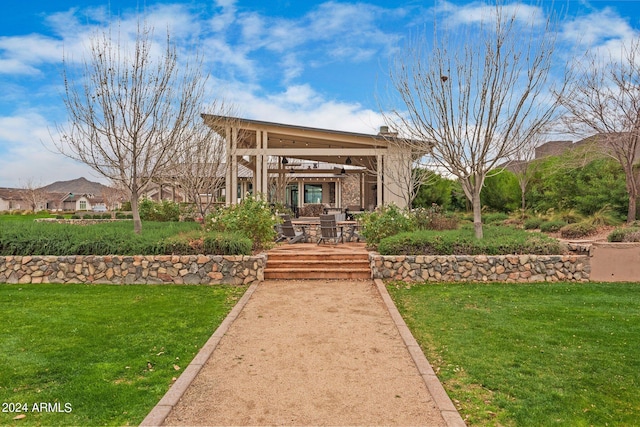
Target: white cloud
{"points": [[597, 28], [27, 154], [483, 13]]}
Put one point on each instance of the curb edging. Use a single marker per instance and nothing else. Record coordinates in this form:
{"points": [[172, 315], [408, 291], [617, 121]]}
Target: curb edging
{"points": [[442, 401], [162, 409]]}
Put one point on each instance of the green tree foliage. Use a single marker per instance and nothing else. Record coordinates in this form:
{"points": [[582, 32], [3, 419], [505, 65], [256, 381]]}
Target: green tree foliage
{"points": [[587, 189], [501, 192], [435, 190]]}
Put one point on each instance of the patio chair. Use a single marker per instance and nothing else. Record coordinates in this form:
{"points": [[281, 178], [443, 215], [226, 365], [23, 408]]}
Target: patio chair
{"points": [[330, 230], [288, 233]]}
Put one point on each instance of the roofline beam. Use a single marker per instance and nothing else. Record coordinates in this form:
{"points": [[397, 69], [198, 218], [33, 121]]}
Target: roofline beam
{"points": [[293, 152]]}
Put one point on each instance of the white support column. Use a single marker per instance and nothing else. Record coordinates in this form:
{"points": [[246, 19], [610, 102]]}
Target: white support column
{"points": [[379, 183], [257, 175], [265, 164], [228, 180], [234, 166]]}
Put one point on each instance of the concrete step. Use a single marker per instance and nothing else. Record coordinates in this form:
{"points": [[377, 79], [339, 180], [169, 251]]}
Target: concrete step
{"points": [[314, 273], [317, 264], [318, 256], [310, 261]]}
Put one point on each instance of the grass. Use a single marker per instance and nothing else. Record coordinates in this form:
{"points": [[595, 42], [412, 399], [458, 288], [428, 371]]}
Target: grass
{"points": [[108, 353], [531, 355]]}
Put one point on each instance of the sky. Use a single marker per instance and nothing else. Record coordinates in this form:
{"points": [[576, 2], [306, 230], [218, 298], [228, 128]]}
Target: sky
{"points": [[302, 62]]}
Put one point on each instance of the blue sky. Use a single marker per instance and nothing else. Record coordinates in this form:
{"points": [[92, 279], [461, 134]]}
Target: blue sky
{"points": [[310, 63]]}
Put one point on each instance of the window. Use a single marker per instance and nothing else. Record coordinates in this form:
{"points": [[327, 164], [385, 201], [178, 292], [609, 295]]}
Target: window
{"points": [[313, 193], [83, 205]]}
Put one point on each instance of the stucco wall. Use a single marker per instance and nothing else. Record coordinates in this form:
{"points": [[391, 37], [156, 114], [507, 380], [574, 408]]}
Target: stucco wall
{"points": [[615, 262]]}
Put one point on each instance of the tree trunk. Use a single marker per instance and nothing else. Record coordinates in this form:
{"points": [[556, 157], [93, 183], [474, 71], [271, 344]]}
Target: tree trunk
{"points": [[137, 223], [631, 213], [477, 214]]}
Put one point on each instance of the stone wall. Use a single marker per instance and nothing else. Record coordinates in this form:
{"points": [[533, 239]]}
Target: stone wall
{"points": [[481, 268], [157, 269]]}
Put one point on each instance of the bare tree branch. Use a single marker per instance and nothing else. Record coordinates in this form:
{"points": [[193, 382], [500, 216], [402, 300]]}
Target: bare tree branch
{"points": [[605, 100], [129, 108], [476, 102]]}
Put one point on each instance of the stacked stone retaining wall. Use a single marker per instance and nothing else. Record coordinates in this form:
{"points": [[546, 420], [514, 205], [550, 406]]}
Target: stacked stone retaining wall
{"points": [[157, 269], [481, 268]]}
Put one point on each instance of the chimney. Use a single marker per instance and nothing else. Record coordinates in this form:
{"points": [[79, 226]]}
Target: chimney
{"points": [[384, 131]]}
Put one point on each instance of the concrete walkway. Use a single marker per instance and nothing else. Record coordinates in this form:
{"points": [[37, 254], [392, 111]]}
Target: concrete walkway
{"points": [[309, 353]]}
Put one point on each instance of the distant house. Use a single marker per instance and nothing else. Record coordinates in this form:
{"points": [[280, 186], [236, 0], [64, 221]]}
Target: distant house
{"points": [[75, 195], [81, 202], [11, 199]]}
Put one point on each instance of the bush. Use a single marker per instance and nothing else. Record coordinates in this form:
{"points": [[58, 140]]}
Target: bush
{"points": [[494, 218], [552, 226], [164, 211], [532, 223], [577, 230], [433, 218], [385, 221], [252, 218], [631, 234], [107, 238], [496, 241], [227, 244]]}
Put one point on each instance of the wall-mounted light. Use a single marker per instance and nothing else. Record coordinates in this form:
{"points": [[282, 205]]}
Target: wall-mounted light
{"points": [[284, 161], [342, 171], [347, 161]]}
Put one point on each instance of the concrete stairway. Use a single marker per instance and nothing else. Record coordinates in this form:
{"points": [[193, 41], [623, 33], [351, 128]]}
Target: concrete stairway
{"points": [[311, 261]]}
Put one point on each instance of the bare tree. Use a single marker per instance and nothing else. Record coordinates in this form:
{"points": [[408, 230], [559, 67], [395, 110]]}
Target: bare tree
{"points": [[33, 195], [410, 170], [199, 167], [113, 196], [129, 108], [477, 101], [279, 180], [524, 167], [605, 99]]}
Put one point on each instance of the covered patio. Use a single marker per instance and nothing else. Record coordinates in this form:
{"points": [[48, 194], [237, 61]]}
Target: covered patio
{"points": [[300, 166]]}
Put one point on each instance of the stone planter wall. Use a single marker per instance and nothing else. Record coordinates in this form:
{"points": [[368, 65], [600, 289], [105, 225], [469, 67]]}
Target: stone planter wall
{"points": [[481, 268], [157, 269]]}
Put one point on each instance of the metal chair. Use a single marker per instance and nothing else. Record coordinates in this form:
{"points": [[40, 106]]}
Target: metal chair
{"points": [[288, 233], [329, 229]]}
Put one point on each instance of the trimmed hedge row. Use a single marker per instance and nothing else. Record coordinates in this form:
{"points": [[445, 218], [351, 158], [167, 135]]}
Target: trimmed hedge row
{"points": [[19, 238], [496, 241]]}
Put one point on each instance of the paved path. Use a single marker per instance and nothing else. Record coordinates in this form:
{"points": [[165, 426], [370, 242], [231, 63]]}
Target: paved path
{"points": [[309, 353]]}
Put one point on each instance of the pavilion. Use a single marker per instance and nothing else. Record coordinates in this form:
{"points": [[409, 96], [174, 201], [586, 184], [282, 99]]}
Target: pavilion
{"points": [[319, 165]]}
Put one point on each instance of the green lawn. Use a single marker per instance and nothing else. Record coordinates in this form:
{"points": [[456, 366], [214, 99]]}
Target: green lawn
{"points": [[99, 354], [531, 354]]}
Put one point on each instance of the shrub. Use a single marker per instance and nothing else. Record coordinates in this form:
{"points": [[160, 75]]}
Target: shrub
{"points": [[433, 218], [494, 217], [101, 239], [631, 234], [532, 223], [496, 241], [386, 220], [252, 218], [552, 226], [159, 211], [577, 230], [605, 216], [227, 244]]}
